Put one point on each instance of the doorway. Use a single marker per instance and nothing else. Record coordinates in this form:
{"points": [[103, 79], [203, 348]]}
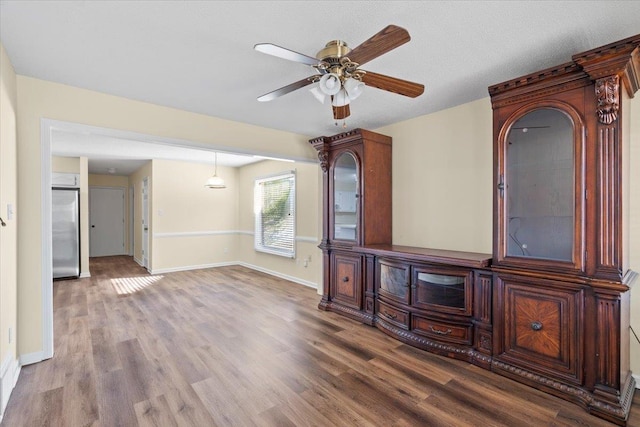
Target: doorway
{"points": [[106, 219]]}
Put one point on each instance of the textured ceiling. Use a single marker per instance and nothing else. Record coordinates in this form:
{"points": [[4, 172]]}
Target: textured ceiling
{"points": [[198, 55]]}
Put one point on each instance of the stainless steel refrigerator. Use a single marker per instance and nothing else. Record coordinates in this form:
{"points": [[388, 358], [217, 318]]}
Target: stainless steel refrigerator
{"points": [[65, 218]]}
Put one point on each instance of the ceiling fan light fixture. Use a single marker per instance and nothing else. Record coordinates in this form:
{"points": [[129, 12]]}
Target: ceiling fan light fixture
{"points": [[330, 84], [340, 99], [353, 87], [317, 93]]}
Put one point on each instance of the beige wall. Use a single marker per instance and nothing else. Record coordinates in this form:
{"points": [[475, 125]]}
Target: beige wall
{"points": [[99, 180], [65, 164], [193, 226], [38, 99], [308, 233], [8, 234], [442, 174]]}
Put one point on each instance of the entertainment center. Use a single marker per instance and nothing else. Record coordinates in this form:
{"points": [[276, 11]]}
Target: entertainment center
{"points": [[550, 306]]}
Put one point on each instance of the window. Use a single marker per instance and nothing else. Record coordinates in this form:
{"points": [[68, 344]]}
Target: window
{"points": [[275, 214]]}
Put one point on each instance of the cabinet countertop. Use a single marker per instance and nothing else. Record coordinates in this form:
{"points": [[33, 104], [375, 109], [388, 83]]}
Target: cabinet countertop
{"points": [[439, 256]]}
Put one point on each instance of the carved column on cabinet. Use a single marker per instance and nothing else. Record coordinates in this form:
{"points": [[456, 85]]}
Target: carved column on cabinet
{"points": [[615, 71], [370, 284], [614, 384], [323, 157], [482, 302]]}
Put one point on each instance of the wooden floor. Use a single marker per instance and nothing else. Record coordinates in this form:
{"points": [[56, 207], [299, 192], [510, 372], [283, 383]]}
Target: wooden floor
{"points": [[233, 347]]}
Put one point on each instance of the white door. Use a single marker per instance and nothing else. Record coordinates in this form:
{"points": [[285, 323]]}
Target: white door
{"points": [[145, 223], [106, 220]]}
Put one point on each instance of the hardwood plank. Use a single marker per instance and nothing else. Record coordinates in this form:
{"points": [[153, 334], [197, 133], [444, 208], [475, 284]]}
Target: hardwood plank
{"points": [[115, 405], [154, 412], [79, 401]]}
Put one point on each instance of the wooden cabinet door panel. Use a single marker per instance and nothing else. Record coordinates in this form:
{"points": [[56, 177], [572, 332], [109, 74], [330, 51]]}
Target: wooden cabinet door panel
{"points": [[347, 283], [393, 280], [542, 328]]}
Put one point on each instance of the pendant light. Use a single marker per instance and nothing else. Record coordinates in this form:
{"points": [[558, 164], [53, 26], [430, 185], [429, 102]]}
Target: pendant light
{"points": [[215, 181]]}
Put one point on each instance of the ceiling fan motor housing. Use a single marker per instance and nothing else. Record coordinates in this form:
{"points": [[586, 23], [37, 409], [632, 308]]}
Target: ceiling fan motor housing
{"points": [[333, 51]]}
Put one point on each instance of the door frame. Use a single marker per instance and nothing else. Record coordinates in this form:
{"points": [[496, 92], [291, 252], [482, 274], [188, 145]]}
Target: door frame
{"points": [[145, 223]]}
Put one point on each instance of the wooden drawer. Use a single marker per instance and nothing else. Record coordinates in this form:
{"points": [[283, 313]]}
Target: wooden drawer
{"points": [[442, 330], [393, 315]]}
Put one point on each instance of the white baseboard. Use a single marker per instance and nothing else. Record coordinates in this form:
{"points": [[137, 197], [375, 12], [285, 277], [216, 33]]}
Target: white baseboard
{"points": [[244, 264], [85, 275], [637, 378], [280, 275], [138, 261], [30, 358], [9, 372], [192, 267]]}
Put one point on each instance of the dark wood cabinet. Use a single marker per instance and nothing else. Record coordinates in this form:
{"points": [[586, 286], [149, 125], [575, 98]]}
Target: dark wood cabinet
{"points": [[356, 169], [561, 287], [425, 297]]}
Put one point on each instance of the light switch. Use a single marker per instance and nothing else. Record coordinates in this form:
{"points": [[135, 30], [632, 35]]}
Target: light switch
{"points": [[9, 211]]}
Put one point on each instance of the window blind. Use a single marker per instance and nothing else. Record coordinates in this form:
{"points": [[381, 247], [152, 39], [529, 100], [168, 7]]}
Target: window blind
{"points": [[275, 214]]}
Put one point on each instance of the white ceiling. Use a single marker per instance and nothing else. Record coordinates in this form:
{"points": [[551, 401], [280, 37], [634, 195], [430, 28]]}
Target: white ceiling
{"points": [[198, 55]]}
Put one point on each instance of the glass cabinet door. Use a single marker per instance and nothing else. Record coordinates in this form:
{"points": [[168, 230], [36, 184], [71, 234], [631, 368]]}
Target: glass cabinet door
{"points": [[445, 291], [538, 186], [345, 197], [394, 280]]}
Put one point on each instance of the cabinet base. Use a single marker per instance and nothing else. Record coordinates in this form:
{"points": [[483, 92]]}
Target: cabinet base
{"points": [[611, 407], [449, 350], [349, 312]]}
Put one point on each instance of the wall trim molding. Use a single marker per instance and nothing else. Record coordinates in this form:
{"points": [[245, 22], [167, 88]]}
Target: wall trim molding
{"points": [[203, 233], [280, 275], [31, 358], [138, 261], [192, 267], [195, 233], [9, 373], [85, 275], [297, 280]]}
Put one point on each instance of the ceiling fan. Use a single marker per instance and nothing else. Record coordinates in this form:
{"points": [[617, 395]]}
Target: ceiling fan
{"points": [[338, 74]]}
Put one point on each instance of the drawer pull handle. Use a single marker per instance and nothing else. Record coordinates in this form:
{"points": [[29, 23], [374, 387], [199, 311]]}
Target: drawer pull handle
{"points": [[439, 332], [345, 279], [390, 316], [536, 326]]}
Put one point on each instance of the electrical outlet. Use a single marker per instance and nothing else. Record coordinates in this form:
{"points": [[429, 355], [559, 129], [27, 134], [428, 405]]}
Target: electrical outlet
{"points": [[225, 250]]}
